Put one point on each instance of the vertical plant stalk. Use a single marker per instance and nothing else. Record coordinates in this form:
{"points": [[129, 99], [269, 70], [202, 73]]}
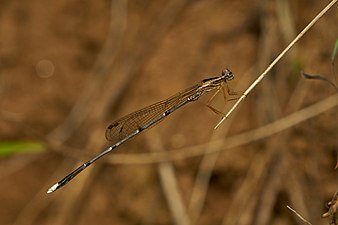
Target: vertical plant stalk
{"points": [[260, 78]]}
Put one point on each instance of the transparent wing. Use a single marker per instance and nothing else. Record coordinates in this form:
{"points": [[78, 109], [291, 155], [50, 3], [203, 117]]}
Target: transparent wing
{"points": [[123, 127]]}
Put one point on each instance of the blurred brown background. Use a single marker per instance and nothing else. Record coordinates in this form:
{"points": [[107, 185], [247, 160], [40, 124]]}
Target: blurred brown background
{"points": [[69, 68]]}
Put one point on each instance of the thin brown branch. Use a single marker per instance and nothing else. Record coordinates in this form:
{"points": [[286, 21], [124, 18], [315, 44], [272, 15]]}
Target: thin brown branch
{"points": [[231, 142], [169, 185], [293, 42], [297, 214], [332, 213], [234, 141]]}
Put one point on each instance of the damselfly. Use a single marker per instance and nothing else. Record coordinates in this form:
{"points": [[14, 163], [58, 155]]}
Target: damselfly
{"points": [[129, 126]]}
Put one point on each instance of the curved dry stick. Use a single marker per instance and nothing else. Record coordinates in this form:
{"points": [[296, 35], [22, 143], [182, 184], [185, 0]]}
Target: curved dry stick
{"points": [[231, 142], [168, 181], [207, 164], [297, 214], [221, 144], [259, 79]]}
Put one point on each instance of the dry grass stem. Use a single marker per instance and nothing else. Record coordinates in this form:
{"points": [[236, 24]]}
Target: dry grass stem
{"points": [[293, 42], [297, 214], [169, 185], [233, 141]]}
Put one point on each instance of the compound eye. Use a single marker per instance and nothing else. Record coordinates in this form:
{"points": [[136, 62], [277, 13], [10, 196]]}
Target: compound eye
{"points": [[228, 74]]}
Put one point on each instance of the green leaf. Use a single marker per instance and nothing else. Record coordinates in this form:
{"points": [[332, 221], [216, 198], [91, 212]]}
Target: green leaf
{"points": [[14, 147], [334, 52]]}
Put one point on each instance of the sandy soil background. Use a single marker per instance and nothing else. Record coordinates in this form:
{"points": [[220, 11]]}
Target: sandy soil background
{"points": [[69, 68]]}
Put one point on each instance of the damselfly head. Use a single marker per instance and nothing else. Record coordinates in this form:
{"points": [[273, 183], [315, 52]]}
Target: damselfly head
{"points": [[228, 75]]}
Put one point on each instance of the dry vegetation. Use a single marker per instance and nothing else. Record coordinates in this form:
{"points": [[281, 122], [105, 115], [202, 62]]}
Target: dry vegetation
{"points": [[68, 68]]}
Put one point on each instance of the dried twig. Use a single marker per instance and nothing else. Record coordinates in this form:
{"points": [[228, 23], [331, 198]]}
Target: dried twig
{"points": [[169, 185], [333, 210], [295, 212], [260, 78], [318, 77], [233, 141]]}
